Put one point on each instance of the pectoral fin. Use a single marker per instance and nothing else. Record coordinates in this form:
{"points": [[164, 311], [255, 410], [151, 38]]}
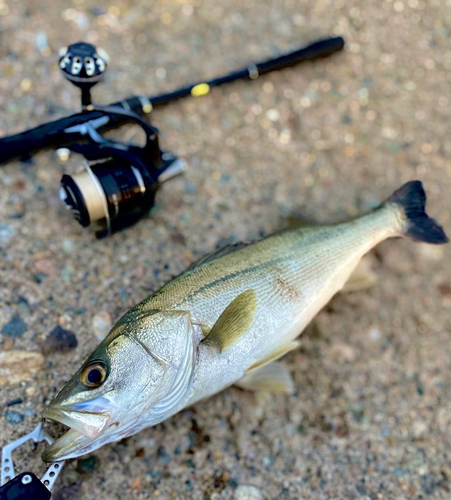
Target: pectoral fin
{"points": [[270, 378], [275, 355], [234, 322], [361, 278]]}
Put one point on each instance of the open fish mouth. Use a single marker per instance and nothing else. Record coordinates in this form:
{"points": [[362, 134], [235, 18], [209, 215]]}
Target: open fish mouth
{"points": [[84, 429]]}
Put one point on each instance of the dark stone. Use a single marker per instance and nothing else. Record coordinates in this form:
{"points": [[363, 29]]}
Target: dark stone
{"points": [[38, 277], [87, 465], [14, 417], [361, 489], [163, 456], [13, 402], [155, 474], [15, 327], [23, 306], [233, 483], [428, 484], [178, 238], [59, 340]]}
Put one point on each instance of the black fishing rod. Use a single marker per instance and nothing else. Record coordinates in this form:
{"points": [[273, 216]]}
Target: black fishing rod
{"points": [[120, 180]]}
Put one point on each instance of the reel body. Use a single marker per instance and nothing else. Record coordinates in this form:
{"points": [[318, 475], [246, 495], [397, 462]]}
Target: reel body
{"points": [[120, 180]]}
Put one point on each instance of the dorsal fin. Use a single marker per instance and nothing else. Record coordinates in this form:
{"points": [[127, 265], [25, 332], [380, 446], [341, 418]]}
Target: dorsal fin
{"points": [[218, 253]]}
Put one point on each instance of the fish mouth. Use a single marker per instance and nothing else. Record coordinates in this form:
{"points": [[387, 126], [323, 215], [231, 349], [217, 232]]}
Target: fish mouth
{"points": [[84, 429]]}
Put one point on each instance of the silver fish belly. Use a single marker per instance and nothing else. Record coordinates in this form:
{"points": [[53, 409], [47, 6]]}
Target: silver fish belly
{"points": [[225, 321]]}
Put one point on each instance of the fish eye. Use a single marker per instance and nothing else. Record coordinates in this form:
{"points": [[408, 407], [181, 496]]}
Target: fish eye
{"points": [[94, 374]]}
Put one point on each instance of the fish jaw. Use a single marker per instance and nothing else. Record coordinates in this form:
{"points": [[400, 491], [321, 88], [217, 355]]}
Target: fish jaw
{"points": [[87, 423], [72, 444], [82, 437]]}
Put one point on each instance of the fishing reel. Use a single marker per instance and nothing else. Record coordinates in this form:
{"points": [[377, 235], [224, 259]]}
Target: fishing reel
{"points": [[120, 180], [26, 486]]}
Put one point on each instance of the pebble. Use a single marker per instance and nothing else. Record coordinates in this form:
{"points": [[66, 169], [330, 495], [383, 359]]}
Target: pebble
{"points": [[46, 266], [68, 246], [136, 485], [6, 233], [13, 402], [14, 417], [18, 366], [30, 391], [342, 352], [247, 492], [23, 306], [15, 327], [8, 344], [101, 324], [87, 465], [59, 340]]}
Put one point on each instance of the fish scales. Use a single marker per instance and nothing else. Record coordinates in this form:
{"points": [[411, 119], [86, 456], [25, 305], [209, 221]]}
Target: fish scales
{"points": [[222, 322]]}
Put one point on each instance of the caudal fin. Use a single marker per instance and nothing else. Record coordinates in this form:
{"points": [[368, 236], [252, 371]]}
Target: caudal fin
{"points": [[412, 198]]}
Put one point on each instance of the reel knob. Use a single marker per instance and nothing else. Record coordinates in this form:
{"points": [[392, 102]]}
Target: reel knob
{"points": [[83, 65]]}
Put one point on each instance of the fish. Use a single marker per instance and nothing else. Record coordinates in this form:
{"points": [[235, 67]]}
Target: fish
{"points": [[227, 320]]}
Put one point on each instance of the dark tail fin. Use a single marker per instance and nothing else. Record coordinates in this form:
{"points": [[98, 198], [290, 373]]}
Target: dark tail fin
{"points": [[412, 198]]}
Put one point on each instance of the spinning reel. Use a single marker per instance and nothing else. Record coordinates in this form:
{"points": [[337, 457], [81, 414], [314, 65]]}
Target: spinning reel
{"points": [[120, 180]]}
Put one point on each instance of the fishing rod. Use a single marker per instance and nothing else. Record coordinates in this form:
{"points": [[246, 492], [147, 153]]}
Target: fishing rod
{"points": [[119, 183], [120, 180]]}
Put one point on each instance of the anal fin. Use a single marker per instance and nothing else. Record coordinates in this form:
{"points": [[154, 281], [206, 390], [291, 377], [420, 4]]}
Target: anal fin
{"points": [[278, 353], [362, 277], [272, 377]]}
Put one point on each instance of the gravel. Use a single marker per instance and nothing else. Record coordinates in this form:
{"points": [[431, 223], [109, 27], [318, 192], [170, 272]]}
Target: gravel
{"points": [[371, 414]]}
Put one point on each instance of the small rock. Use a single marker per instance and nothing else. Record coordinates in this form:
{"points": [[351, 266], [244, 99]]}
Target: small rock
{"points": [[136, 485], [6, 233], [13, 402], [87, 465], [68, 246], [445, 289], [17, 366], [46, 266], [420, 429], [30, 391], [15, 327], [14, 417], [59, 340], [8, 344], [247, 492], [163, 456], [343, 352], [23, 306], [101, 324]]}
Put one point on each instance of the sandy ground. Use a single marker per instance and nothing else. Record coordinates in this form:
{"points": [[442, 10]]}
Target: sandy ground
{"points": [[371, 417]]}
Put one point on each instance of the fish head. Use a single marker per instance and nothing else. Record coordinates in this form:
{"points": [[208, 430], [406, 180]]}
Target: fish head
{"points": [[135, 378]]}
